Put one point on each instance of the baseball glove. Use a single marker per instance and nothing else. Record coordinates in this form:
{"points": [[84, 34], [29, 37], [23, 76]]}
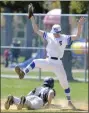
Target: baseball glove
{"points": [[30, 10]]}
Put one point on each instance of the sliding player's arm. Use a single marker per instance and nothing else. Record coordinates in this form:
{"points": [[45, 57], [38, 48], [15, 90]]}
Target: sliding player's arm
{"points": [[51, 95]]}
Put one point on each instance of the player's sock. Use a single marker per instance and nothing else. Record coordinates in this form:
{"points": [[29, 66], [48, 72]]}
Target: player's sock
{"points": [[67, 92], [16, 100], [29, 67]]}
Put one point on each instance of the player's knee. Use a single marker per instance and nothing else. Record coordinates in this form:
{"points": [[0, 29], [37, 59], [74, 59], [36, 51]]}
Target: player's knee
{"points": [[64, 85]]}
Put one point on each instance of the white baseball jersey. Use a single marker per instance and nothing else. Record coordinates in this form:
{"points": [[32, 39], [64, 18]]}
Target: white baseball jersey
{"points": [[56, 46]]}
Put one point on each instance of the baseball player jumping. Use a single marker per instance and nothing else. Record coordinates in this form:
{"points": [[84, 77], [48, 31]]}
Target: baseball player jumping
{"points": [[39, 97], [55, 49]]}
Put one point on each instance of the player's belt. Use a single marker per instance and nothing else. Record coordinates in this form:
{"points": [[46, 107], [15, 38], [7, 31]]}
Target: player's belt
{"points": [[55, 58]]}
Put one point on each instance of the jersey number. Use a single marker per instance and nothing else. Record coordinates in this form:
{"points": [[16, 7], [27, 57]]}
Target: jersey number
{"points": [[60, 42]]}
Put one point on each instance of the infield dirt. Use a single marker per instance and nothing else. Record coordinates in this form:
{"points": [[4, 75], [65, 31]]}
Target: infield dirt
{"points": [[57, 106]]}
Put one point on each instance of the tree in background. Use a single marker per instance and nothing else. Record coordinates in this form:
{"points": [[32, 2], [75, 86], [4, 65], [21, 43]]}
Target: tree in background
{"points": [[79, 7], [22, 6]]}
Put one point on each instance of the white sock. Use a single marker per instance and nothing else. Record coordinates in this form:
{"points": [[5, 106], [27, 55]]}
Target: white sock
{"points": [[16, 100], [26, 70], [29, 67]]}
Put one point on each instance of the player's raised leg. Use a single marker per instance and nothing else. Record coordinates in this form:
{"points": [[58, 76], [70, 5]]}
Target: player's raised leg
{"points": [[39, 63]]}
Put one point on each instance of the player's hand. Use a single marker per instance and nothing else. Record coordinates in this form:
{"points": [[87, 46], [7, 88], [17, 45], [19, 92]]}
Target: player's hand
{"points": [[81, 20], [30, 10]]}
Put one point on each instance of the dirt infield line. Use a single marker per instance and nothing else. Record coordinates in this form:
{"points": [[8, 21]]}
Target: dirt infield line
{"points": [[57, 106]]}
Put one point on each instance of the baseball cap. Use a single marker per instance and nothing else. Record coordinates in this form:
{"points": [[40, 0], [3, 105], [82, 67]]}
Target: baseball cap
{"points": [[56, 28]]}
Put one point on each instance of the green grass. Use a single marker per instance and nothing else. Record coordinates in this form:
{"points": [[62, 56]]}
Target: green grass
{"points": [[17, 87]]}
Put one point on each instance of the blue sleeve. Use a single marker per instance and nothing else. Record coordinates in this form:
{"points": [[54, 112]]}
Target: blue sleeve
{"points": [[69, 41], [45, 35]]}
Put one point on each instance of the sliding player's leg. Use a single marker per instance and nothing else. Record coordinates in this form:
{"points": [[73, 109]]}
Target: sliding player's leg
{"points": [[10, 101]]}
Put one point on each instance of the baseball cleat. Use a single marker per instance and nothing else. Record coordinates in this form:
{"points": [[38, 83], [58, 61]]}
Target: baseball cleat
{"points": [[19, 72], [71, 105], [9, 102], [21, 104]]}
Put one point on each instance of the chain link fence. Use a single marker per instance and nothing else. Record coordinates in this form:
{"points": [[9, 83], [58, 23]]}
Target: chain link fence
{"points": [[17, 28]]}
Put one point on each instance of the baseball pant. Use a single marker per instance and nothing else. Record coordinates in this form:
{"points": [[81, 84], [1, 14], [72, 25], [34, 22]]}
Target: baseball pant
{"points": [[54, 66], [32, 102]]}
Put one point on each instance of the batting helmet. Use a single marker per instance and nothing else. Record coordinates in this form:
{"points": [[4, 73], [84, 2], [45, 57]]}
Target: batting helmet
{"points": [[49, 82]]}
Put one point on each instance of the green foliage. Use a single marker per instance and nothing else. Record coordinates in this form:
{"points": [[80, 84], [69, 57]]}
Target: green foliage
{"points": [[79, 7], [17, 6], [65, 6]]}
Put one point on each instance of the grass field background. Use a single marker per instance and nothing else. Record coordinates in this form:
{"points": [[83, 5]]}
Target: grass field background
{"points": [[17, 87], [79, 91], [11, 71]]}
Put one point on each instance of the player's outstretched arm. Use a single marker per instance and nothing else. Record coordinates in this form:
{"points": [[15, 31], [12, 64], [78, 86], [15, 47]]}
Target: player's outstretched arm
{"points": [[80, 25], [50, 98], [34, 25]]}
